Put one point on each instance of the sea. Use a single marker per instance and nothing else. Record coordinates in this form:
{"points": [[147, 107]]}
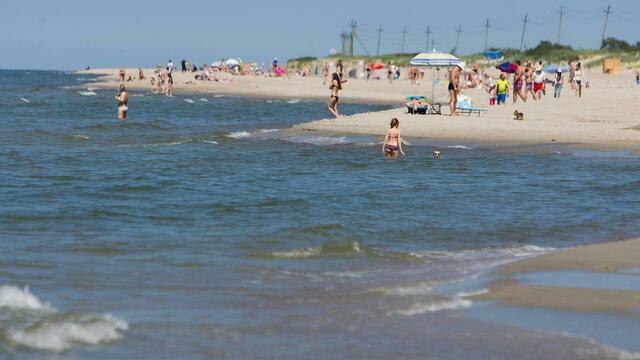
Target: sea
{"points": [[202, 227]]}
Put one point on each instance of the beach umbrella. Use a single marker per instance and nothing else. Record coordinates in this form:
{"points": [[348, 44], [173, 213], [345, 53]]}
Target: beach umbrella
{"points": [[507, 67], [435, 60], [232, 63]]}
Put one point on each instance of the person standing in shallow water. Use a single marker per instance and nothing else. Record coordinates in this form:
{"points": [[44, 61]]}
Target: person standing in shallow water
{"points": [[123, 99], [336, 86], [392, 144]]}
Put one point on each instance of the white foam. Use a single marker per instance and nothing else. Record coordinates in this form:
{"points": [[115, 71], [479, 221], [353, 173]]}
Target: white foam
{"points": [[458, 147], [15, 298], [264, 131], [62, 333], [320, 140], [419, 289], [293, 101], [92, 88], [423, 308], [405, 142], [218, 96], [87, 93], [80, 137], [204, 100], [25, 100], [238, 134], [189, 101], [210, 142], [298, 253]]}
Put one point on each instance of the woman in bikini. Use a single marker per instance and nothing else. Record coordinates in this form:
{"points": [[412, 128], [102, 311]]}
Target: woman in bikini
{"points": [[123, 99], [333, 100], [392, 144]]}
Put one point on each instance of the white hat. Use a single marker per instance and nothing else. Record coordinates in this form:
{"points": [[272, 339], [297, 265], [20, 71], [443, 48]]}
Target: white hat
{"points": [[461, 65]]}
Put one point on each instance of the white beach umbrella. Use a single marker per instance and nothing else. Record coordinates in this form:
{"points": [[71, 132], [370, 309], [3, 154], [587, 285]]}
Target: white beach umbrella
{"points": [[435, 60]]}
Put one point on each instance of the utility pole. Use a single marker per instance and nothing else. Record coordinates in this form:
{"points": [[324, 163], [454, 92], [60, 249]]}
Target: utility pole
{"points": [[561, 13], [524, 28], [458, 31], [606, 20], [379, 38], [428, 32], [353, 35], [342, 41], [404, 34], [433, 45], [486, 34]]}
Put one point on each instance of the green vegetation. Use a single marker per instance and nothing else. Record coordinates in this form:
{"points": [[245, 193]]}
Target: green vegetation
{"points": [[545, 51]]}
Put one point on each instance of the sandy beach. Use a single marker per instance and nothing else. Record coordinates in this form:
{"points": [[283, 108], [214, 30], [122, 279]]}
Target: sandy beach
{"points": [[605, 116]]}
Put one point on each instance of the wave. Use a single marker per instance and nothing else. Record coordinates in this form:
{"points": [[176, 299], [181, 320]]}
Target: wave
{"points": [[204, 100], [293, 101], [87, 93], [25, 100], [318, 140], [189, 101], [238, 134], [423, 308], [77, 137], [16, 298], [49, 330], [60, 333], [458, 147], [512, 251], [336, 249]]}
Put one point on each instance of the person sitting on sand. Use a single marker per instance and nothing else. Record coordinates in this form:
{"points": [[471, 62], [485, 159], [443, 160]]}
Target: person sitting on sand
{"points": [[123, 99], [336, 85], [392, 144], [454, 87]]}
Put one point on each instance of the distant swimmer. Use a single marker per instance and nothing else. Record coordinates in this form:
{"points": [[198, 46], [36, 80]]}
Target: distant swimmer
{"points": [[335, 87], [123, 99], [392, 144], [122, 75]]}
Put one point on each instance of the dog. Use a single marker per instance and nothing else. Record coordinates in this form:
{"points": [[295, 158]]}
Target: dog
{"points": [[518, 115], [436, 154]]}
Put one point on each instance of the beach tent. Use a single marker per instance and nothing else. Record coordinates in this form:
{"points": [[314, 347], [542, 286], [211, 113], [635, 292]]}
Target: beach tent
{"points": [[492, 54], [435, 60], [507, 67], [374, 66]]}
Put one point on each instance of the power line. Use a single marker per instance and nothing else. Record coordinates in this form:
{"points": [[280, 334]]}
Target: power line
{"points": [[486, 34], [428, 32], [561, 13], [524, 28], [353, 35], [606, 20], [379, 38], [404, 34], [458, 31]]}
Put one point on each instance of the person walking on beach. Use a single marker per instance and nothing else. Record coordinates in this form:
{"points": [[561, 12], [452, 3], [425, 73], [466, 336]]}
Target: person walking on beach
{"points": [[336, 86], [122, 99], [340, 70], [538, 83], [389, 72], [502, 86], [392, 144], [578, 78], [558, 83], [454, 83], [518, 82], [572, 74], [325, 73]]}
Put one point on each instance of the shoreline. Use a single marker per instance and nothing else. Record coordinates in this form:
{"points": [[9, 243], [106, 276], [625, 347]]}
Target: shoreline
{"points": [[600, 120]]}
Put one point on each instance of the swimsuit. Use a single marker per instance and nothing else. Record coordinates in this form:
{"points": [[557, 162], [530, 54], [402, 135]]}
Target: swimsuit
{"points": [[451, 87], [334, 97], [517, 84], [391, 148]]}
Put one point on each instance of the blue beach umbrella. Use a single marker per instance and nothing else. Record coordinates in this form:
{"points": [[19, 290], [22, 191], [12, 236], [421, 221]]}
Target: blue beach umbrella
{"points": [[435, 59]]}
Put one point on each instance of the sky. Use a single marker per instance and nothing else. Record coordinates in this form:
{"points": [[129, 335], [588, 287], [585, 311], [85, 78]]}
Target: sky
{"points": [[72, 34]]}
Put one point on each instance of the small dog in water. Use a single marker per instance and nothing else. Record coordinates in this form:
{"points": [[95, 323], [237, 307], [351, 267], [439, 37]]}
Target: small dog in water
{"points": [[518, 115], [436, 154]]}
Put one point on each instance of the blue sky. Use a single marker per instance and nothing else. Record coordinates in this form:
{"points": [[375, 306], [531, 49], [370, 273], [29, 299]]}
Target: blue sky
{"points": [[69, 34]]}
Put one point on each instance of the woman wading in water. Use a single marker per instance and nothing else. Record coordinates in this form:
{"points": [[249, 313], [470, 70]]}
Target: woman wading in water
{"points": [[333, 100], [122, 99], [392, 144]]}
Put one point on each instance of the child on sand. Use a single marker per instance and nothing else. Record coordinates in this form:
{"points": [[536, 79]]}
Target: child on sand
{"points": [[502, 86]]}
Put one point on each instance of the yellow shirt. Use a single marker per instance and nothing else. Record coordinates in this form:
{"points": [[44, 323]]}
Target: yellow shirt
{"points": [[502, 86]]}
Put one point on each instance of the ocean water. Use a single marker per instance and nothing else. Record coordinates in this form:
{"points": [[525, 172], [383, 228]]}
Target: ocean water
{"points": [[202, 228]]}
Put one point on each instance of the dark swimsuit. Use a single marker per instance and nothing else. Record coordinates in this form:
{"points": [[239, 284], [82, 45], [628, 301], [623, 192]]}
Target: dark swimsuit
{"points": [[451, 87], [391, 148]]}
